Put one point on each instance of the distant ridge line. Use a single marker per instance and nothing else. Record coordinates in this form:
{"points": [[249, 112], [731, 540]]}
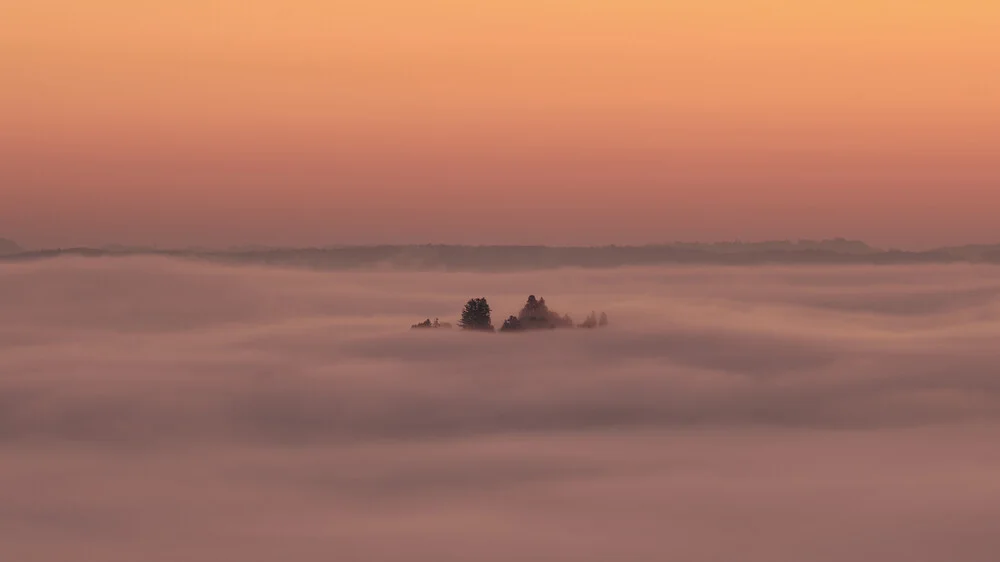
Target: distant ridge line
{"points": [[500, 258]]}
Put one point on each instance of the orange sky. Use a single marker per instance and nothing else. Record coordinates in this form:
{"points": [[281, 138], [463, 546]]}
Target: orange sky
{"points": [[514, 121]]}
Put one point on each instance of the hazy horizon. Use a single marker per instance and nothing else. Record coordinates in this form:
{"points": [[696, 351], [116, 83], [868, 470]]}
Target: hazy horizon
{"points": [[418, 242], [36, 243], [444, 258]]}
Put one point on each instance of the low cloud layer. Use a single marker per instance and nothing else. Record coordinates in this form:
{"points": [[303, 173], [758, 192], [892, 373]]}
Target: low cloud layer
{"points": [[167, 410]]}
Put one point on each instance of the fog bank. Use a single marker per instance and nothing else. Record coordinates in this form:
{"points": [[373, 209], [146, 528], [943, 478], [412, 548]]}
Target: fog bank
{"points": [[160, 409]]}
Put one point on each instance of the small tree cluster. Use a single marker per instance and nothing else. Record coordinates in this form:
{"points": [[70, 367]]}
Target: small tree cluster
{"points": [[535, 314], [593, 321], [512, 324], [428, 324]]}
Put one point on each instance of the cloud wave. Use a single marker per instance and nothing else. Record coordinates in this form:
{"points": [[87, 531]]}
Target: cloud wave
{"points": [[239, 412]]}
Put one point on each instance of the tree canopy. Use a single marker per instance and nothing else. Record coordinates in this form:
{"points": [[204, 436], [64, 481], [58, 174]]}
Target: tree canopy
{"points": [[511, 324], [428, 324], [536, 314], [476, 315], [593, 321]]}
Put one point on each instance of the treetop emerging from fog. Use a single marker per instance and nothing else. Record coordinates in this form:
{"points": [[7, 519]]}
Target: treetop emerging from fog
{"points": [[534, 315]]}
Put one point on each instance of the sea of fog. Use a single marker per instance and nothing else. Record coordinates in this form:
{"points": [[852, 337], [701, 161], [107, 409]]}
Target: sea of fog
{"points": [[162, 411]]}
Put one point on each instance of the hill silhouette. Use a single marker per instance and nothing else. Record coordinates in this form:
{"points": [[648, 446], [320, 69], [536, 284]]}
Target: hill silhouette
{"points": [[512, 258], [9, 247]]}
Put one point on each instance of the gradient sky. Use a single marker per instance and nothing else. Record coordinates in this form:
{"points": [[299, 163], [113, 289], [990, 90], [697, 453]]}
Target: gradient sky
{"points": [[500, 121]]}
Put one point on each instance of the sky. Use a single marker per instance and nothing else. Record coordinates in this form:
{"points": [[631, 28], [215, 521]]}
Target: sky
{"points": [[163, 410], [526, 122]]}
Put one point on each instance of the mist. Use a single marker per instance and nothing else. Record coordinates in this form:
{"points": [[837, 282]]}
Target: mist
{"points": [[159, 409]]}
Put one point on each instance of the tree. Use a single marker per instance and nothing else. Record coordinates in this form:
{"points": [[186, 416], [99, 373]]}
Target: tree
{"points": [[533, 311], [511, 324], [604, 320], [476, 315], [436, 324], [9, 247], [536, 314]]}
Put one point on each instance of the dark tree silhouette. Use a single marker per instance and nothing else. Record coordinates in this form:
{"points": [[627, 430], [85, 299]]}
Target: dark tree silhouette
{"points": [[424, 324], [590, 322], [428, 324], [604, 320], [536, 314], [476, 315], [512, 324]]}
